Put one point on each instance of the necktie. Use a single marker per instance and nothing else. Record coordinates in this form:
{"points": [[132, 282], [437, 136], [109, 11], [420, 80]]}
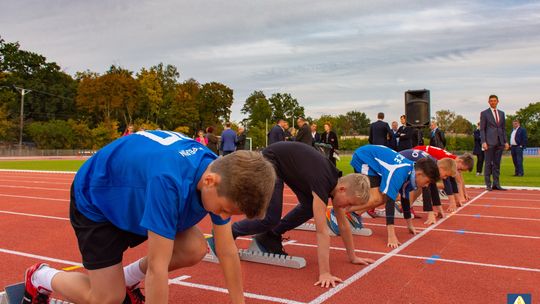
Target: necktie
{"points": [[496, 115]]}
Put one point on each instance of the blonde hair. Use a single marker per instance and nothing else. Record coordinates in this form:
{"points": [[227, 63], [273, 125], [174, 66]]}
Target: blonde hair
{"points": [[357, 185], [448, 165], [467, 160], [247, 179]]}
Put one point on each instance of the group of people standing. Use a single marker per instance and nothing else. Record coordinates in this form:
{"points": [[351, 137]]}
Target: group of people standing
{"points": [[307, 134], [400, 138], [229, 142]]}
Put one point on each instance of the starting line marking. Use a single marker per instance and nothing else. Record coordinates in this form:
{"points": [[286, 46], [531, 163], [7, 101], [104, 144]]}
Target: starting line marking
{"points": [[36, 197], [180, 281], [325, 296]]}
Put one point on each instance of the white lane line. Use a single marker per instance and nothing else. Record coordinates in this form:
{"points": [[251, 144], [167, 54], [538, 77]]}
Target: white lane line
{"points": [[33, 182], [180, 281], [37, 171], [325, 296], [35, 188], [500, 217], [438, 259], [39, 257], [35, 215], [510, 207], [36, 197], [461, 231]]}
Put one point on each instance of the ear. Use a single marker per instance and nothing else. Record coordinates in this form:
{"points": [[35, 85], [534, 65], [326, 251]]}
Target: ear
{"points": [[211, 179]]}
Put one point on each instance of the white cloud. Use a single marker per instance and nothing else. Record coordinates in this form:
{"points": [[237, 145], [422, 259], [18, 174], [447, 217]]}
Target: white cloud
{"points": [[352, 55]]}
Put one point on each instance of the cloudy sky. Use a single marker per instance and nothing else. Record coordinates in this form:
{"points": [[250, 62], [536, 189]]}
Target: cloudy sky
{"points": [[333, 56]]}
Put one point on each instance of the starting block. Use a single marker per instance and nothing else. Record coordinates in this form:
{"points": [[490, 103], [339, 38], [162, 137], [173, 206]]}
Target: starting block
{"points": [[355, 220], [256, 254], [13, 294]]}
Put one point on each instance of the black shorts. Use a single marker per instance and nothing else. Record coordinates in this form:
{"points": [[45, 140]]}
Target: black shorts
{"points": [[101, 244], [374, 181], [450, 185]]}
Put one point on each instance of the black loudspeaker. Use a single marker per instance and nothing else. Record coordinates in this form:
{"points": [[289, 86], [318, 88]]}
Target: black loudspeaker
{"points": [[417, 108]]}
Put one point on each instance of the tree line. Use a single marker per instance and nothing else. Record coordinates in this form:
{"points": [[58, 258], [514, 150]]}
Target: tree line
{"points": [[90, 109]]}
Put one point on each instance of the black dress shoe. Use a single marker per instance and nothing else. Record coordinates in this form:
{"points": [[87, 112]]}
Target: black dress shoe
{"points": [[498, 188], [488, 188]]}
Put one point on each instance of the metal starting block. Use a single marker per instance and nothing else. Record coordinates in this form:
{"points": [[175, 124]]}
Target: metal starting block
{"points": [[255, 254], [355, 231], [14, 294]]}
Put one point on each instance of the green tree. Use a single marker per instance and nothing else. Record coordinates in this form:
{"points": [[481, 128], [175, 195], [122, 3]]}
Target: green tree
{"points": [[53, 91], [284, 106], [461, 125], [150, 94], [444, 119], [354, 123], [184, 111], [214, 104]]}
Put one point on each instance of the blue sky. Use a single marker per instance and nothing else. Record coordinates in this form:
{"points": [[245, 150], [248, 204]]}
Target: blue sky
{"points": [[333, 56]]}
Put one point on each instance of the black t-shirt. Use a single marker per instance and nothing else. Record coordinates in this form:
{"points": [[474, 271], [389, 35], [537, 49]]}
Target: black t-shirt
{"points": [[303, 169]]}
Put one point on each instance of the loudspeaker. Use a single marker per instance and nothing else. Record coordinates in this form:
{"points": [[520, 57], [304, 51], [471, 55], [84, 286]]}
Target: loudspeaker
{"points": [[417, 108]]}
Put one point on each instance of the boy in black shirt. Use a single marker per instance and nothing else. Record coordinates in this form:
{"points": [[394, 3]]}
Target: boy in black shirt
{"points": [[314, 179]]}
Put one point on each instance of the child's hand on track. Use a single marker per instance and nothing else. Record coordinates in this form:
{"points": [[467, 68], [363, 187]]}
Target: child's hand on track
{"points": [[362, 261], [327, 279], [430, 218], [393, 241]]}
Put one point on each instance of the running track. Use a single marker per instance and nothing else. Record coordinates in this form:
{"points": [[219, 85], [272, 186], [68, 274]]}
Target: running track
{"points": [[489, 248]]}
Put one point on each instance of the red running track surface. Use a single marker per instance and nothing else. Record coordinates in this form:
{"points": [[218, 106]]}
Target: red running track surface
{"points": [[487, 249]]}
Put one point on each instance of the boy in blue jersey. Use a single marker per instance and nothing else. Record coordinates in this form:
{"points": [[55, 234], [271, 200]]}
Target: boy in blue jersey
{"points": [[153, 185], [315, 181], [430, 194], [390, 174]]}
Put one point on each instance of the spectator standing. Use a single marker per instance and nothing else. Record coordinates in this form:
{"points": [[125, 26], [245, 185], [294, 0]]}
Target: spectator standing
{"points": [[241, 139], [304, 132], [518, 142], [228, 140], [277, 133], [212, 140], [405, 135], [314, 134], [394, 136], [436, 138], [130, 130], [201, 138], [493, 136], [329, 137], [477, 150], [379, 131]]}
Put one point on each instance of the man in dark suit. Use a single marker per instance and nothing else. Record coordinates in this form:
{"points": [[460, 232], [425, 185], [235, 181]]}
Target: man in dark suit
{"points": [[277, 133], [314, 134], [436, 138], [379, 131], [405, 135], [477, 150], [304, 132], [394, 136], [493, 136], [518, 142]]}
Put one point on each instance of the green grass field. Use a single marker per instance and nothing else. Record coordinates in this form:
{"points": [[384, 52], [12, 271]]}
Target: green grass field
{"points": [[531, 167], [531, 164]]}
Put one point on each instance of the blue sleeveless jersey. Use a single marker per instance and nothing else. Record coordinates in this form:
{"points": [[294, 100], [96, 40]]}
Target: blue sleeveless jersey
{"points": [[396, 172], [145, 181], [415, 155]]}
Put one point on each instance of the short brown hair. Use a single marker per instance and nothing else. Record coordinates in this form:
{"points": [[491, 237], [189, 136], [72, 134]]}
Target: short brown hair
{"points": [[247, 179], [468, 160], [493, 96], [357, 185]]}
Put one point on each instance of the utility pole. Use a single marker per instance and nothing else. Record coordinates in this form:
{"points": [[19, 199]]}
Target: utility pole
{"points": [[23, 92]]}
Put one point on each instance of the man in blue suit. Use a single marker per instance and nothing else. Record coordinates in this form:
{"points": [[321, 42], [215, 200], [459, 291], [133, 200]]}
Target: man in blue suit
{"points": [[379, 131], [518, 142], [228, 140], [277, 133], [493, 137]]}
